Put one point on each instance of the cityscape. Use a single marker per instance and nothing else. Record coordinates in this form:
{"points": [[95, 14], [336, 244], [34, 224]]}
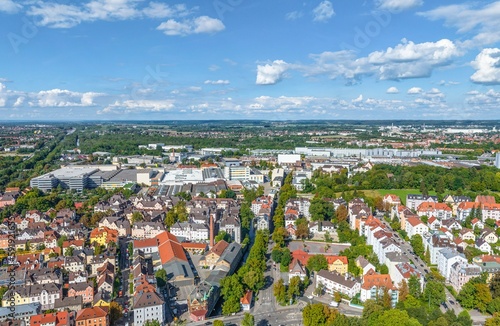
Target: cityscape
{"points": [[312, 223], [253, 163]]}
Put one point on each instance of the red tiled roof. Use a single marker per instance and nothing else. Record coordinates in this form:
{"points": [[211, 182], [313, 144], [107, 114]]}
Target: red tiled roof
{"points": [[89, 313], [247, 298], [377, 280], [413, 221]]}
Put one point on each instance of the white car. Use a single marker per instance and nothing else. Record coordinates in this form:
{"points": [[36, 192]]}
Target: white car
{"points": [[309, 297], [334, 304]]}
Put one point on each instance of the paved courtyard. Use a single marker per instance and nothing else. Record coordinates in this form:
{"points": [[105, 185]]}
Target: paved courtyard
{"points": [[318, 247]]}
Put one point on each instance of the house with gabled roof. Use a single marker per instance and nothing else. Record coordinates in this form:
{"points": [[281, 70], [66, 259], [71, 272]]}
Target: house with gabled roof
{"points": [[334, 282], [95, 316], [373, 286], [246, 301], [297, 269]]}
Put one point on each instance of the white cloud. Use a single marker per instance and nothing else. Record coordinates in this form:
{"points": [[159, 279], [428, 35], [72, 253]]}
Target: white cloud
{"points": [[57, 15], [323, 12], [202, 24], [19, 101], [63, 98], [217, 82], [270, 74], [415, 90], [392, 90], [9, 6], [294, 15], [405, 61], [358, 99], [413, 60], [130, 106], [398, 5], [483, 21], [487, 65]]}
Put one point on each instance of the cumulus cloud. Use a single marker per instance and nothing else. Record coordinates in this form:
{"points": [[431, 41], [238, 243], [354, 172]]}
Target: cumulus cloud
{"points": [[398, 5], [270, 74], [392, 90], [9, 6], [63, 98], [323, 12], [413, 60], [129, 106], [470, 17], [487, 65], [198, 25], [405, 61], [57, 15], [217, 82], [415, 90]]}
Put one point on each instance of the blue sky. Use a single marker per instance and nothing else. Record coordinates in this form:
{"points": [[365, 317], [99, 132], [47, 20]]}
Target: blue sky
{"points": [[249, 59]]}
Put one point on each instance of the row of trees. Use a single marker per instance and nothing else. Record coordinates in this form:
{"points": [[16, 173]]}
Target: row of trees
{"points": [[249, 277]]}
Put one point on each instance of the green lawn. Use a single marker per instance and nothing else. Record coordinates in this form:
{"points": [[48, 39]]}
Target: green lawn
{"points": [[402, 193], [398, 192]]}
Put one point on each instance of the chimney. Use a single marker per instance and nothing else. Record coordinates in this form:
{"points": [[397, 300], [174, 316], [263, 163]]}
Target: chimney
{"points": [[211, 230]]}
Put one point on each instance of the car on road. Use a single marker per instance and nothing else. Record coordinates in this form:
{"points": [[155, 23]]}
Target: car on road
{"points": [[310, 297], [334, 304], [422, 265]]}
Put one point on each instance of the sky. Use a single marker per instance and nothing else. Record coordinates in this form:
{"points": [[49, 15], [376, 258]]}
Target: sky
{"points": [[249, 59]]}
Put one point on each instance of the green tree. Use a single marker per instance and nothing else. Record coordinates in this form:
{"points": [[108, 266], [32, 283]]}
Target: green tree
{"points": [[276, 255], [317, 262], [493, 321], [279, 236], [286, 259], [384, 269], [417, 244], [3, 289], [404, 290], [495, 285], [434, 293], [483, 296], [337, 297], [161, 277], [222, 235], [279, 291], [494, 306], [218, 322], [248, 320], [69, 251], [414, 286], [115, 312], [137, 217], [294, 287], [231, 290], [464, 319], [395, 317], [152, 323]]}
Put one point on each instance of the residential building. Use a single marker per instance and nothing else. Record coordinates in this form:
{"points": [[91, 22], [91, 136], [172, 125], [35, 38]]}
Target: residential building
{"points": [[297, 269], [414, 200], [45, 294], [22, 312], [374, 285], [415, 226], [439, 210], [447, 257], [334, 282], [95, 316], [246, 301], [364, 265], [148, 306], [461, 273], [189, 231], [62, 318]]}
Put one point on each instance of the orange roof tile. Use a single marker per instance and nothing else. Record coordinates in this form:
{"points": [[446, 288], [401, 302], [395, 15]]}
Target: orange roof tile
{"points": [[371, 280]]}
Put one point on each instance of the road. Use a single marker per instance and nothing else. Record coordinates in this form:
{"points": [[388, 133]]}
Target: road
{"points": [[451, 302], [124, 300]]}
